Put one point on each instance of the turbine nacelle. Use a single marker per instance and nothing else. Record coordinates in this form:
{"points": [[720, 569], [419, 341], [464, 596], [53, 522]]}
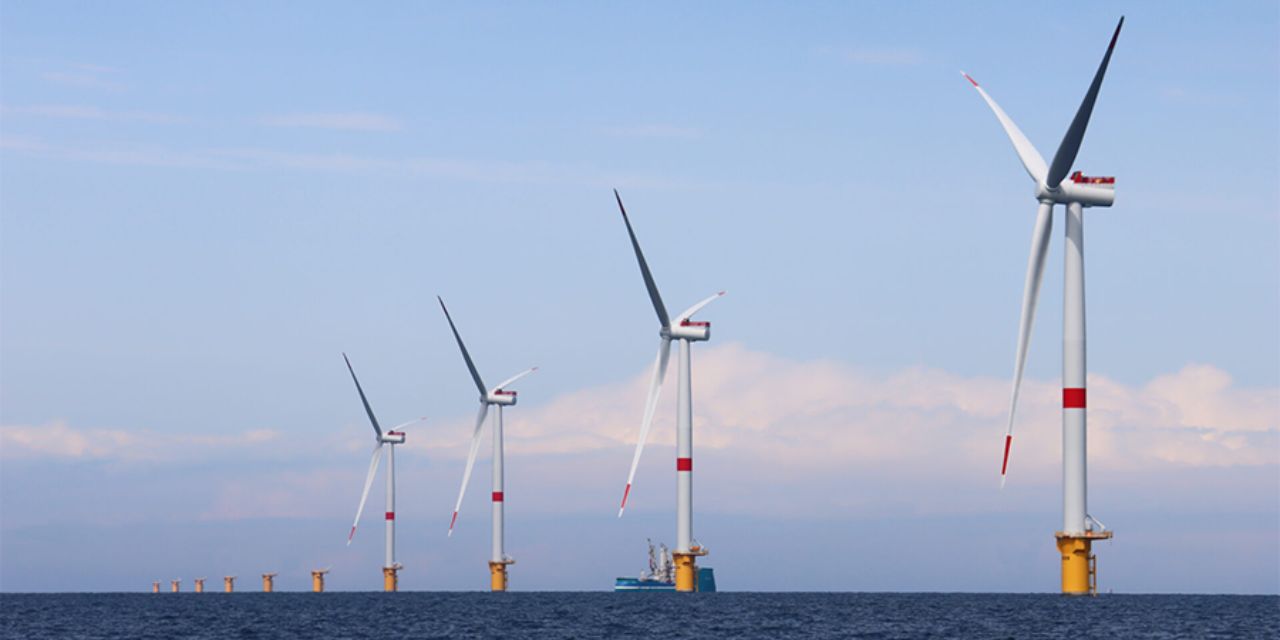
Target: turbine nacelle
{"points": [[501, 397], [392, 437], [686, 329], [1088, 191]]}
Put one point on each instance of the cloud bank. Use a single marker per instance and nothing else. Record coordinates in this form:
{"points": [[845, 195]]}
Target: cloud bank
{"points": [[807, 416]]}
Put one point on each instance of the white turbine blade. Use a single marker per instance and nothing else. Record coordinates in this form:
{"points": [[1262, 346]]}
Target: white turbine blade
{"points": [[649, 284], [368, 482], [1066, 154], [471, 366], [504, 383], [1031, 291], [651, 403], [688, 313], [471, 462], [1031, 159], [367, 409], [405, 424]]}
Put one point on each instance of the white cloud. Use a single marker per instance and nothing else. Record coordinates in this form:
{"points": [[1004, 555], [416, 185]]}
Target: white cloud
{"points": [[335, 121], [249, 159], [822, 415], [819, 416], [82, 112], [59, 440]]}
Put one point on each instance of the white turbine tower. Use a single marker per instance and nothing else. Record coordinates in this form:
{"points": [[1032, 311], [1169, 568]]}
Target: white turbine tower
{"points": [[687, 331], [1054, 186], [390, 570], [500, 397]]}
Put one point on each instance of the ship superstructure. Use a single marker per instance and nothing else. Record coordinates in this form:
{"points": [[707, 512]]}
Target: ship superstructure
{"points": [[661, 574]]}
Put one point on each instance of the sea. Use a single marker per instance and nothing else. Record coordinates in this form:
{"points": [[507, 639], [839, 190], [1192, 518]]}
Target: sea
{"points": [[633, 615]]}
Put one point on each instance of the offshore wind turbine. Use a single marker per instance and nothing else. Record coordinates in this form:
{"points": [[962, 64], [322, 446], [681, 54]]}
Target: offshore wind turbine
{"points": [[389, 439], [687, 331], [499, 396], [1053, 186]]}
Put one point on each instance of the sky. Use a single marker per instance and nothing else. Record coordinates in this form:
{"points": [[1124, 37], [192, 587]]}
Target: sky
{"points": [[202, 206]]}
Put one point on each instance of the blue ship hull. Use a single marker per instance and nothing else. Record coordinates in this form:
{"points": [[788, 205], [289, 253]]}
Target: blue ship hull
{"points": [[636, 584], [706, 583]]}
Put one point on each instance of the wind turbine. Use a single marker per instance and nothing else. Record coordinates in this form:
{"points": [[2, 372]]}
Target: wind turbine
{"points": [[500, 397], [1077, 191], [687, 331], [391, 569]]}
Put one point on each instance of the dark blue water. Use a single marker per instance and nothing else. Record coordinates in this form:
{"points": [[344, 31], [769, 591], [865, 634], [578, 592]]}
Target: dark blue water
{"points": [[609, 615]]}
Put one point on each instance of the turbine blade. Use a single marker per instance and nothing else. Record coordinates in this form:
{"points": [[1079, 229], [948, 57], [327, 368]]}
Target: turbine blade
{"points": [[405, 424], [688, 313], [471, 366], [368, 482], [1066, 155], [367, 409], [1031, 159], [651, 403], [471, 462], [644, 267], [512, 379], [1031, 292]]}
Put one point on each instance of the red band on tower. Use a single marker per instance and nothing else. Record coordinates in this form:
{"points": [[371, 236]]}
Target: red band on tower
{"points": [[1073, 398], [497, 496], [391, 515], [684, 464]]}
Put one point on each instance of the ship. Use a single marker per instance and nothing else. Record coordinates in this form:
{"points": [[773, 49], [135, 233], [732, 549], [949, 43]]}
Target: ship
{"points": [[661, 575]]}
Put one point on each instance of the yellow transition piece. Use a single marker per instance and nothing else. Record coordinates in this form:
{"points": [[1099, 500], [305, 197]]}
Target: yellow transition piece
{"points": [[687, 569], [498, 575], [1079, 565]]}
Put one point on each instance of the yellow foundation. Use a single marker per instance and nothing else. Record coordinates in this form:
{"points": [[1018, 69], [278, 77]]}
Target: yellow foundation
{"points": [[199, 585], [317, 580], [155, 587], [687, 569], [268, 582], [1079, 565], [498, 575], [229, 584], [391, 578], [173, 585]]}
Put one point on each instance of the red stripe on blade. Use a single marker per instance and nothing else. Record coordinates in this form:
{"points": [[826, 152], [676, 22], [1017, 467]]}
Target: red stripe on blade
{"points": [[625, 493], [1073, 398], [1004, 466], [971, 80], [352, 534], [453, 521], [684, 464], [497, 496]]}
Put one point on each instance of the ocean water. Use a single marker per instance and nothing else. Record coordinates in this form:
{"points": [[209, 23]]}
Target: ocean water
{"points": [[632, 615]]}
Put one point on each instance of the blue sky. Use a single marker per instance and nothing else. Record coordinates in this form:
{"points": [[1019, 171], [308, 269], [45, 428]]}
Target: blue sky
{"points": [[201, 206]]}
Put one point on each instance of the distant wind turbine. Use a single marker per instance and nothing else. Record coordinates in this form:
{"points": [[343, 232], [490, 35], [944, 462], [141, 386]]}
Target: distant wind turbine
{"points": [[391, 569], [499, 396]]}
